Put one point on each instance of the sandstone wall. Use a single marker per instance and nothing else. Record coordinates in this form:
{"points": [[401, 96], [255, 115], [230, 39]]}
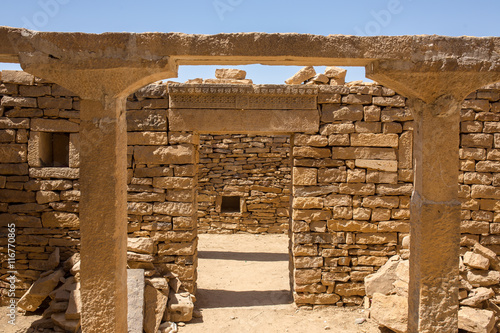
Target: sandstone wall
{"points": [[254, 168], [351, 184]]}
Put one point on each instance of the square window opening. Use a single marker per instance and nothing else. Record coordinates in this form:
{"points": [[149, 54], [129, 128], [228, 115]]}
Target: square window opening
{"points": [[54, 149], [230, 204]]}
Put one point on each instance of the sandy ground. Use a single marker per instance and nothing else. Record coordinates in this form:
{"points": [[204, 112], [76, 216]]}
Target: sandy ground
{"points": [[243, 286]]}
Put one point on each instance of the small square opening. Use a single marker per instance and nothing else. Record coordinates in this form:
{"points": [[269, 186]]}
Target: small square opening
{"points": [[54, 149], [230, 204]]}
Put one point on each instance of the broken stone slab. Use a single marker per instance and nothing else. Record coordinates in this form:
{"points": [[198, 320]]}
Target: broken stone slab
{"points": [[140, 245], [390, 311], [155, 303], [135, 286], [230, 73], [319, 78], [302, 75], [75, 269], [476, 320], [167, 327], [39, 290], [71, 261], [477, 297], [69, 325], [75, 306], [180, 307], [382, 281], [159, 283], [54, 260], [55, 307], [486, 252], [336, 75], [476, 260]]}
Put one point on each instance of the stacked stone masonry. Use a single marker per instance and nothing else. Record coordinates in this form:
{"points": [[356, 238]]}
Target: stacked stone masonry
{"points": [[254, 169], [350, 183]]}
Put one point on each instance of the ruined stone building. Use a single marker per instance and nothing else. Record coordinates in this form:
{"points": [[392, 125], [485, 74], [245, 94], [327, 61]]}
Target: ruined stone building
{"points": [[337, 167]]}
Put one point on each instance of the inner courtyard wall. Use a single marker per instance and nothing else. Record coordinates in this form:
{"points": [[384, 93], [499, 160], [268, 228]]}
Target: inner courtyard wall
{"points": [[351, 184]]}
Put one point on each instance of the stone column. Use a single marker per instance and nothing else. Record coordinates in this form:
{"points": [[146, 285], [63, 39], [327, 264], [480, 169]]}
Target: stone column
{"points": [[103, 215], [435, 217]]}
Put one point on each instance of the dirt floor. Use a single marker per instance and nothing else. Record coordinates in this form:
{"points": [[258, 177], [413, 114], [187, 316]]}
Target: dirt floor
{"points": [[243, 286]]}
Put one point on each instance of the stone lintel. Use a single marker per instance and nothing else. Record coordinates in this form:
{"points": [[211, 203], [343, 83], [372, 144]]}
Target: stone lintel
{"points": [[248, 97], [229, 121]]}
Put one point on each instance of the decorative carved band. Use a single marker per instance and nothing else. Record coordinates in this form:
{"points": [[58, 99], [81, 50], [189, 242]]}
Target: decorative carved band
{"points": [[262, 97]]}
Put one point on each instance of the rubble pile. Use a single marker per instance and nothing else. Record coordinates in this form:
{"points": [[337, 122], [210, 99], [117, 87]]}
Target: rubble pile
{"points": [[479, 291]]}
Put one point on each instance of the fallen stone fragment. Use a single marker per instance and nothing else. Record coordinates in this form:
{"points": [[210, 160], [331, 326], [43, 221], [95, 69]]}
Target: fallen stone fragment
{"points": [[230, 73], [155, 303], [477, 297], [476, 320], [39, 290], [302, 75], [75, 306], [319, 78], [61, 321], [180, 307], [390, 311], [71, 261], [476, 260], [54, 260], [336, 75], [491, 255], [382, 281]]}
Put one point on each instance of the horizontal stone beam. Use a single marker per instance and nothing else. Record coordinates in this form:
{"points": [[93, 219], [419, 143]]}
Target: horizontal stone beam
{"points": [[216, 121], [243, 48]]}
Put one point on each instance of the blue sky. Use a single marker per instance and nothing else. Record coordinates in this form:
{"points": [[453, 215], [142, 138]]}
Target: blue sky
{"points": [[322, 17]]}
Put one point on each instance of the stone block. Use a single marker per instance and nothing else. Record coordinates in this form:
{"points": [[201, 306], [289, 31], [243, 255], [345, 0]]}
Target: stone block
{"points": [[230, 73], [350, 289], [173, 208], [481, 278], [74, 309], [311, 152], [374, 140], [332, 175], [178, 154], [357, 189], [307, 276], [305, 176], [14, 101], [316, 298], [395, 101], [60, 220], [336, 112], [351, 153], [357, 99], [16, 196], [396, 114], [17, 77], [147, 138], [153, 90], [478, 140], [14, 123], [53, 125], [476, 320], [381, 165], [376, 238], [13, 153], [147, 120], [140, 245]]}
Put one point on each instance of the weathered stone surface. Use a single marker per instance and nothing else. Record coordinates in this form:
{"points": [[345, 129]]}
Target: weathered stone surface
{"points": [[39, 291], [147, 138], [477, 296], [381, 165], [390, 311], [374, 140], [382, 281], [173, 208], [155, 303], [480, 278], [135, 287], [13, 153], [180, 307], [140, 245], [476, 320], [147, 120], [178, 154], [60, 220], [53, 125]]}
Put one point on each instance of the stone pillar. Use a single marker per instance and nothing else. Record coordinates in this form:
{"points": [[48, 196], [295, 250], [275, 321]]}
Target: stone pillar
{"points": [[435, 217], [435, 90], [103, 156]]}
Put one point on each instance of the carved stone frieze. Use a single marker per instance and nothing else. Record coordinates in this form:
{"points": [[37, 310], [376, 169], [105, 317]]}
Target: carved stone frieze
{"points": [[249, 97]]}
